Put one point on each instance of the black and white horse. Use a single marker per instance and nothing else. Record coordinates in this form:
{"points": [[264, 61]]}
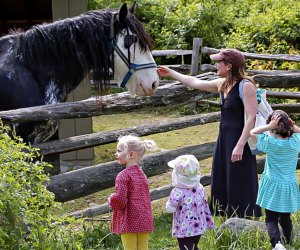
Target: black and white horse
{"points": [[45, 63]]}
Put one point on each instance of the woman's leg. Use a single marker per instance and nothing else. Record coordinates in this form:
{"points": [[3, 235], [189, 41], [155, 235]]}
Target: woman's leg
{"points": [[286, 225], [272, 226], [129, 241], [143, 241]]}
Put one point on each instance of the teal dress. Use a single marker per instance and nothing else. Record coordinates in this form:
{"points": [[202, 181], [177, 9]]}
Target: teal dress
{"points": [[278, 189]]}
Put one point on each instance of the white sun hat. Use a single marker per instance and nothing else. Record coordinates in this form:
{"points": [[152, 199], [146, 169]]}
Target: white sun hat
{"points": [[186, 171]]}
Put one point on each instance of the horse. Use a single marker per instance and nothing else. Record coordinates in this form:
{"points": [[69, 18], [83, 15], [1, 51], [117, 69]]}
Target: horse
{"points": [[45, 63]]}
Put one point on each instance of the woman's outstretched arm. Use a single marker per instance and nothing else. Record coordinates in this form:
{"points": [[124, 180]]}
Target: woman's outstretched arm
{"points": [[205, 85]]}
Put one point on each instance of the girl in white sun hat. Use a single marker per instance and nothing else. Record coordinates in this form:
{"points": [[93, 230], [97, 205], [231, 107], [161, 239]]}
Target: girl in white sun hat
{"points": [[187, 202]]}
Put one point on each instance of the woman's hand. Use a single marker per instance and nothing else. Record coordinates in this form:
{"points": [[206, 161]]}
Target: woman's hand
{"points": [[237, 153], [191, 81], [163, 71]]}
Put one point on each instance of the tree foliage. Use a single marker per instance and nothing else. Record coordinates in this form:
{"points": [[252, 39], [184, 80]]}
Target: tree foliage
{"points": [[269, 26], [174, 24], [266, 26]]}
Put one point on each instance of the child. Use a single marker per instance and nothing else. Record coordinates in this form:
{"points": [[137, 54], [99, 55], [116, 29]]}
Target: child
{"points": [[279, 191], [187, 202], [132, 215]]}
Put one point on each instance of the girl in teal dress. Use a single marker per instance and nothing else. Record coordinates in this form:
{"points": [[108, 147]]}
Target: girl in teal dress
{"points": [[278, 191]]}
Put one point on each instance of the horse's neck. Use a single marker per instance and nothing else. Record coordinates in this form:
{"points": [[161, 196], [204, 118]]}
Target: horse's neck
{"points": [[57, 61], [64, 52]]}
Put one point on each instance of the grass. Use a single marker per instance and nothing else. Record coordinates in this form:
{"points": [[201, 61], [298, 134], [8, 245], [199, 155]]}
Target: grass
{"points": [[212, 239], [97, 233]]}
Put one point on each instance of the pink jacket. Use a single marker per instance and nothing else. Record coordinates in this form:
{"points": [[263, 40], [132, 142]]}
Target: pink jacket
{"points": [[131, 202]]}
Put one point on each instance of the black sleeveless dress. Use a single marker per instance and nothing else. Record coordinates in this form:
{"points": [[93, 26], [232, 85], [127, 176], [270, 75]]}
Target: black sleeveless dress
{"points": [[234, 186]]}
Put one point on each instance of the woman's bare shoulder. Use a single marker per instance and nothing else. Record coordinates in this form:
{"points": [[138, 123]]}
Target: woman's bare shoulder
{"points": [[248, 85], [249, 82]]}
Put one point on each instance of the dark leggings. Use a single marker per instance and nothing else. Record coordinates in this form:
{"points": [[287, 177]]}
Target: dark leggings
{"points": [[189, 243], [284, 219]]}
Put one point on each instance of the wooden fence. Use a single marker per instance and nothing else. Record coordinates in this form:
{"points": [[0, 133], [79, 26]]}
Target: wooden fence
{"points": [[81, 182]]}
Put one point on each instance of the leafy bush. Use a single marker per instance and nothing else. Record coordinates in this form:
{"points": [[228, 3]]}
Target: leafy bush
{"points": [[25, 203]]}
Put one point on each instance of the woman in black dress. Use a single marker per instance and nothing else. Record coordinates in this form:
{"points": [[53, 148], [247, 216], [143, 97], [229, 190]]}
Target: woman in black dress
{"points": [[234, 172]]}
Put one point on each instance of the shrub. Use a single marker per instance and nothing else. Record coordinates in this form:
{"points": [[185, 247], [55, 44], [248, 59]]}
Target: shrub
{"points": [[25, 203]]}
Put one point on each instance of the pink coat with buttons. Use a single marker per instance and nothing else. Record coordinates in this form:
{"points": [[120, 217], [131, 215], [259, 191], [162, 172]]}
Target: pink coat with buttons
{"points": [[131, 202]]}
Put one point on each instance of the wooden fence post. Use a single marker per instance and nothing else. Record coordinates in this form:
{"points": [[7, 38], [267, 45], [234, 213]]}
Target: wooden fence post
{"points": [[196, 56]]}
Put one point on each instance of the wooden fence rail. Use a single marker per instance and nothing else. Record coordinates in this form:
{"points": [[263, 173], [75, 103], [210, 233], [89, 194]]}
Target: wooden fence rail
{"points": [[123, 102], [209, 51], [88, 180], [109, 104], [156, 193], [101, 138]]}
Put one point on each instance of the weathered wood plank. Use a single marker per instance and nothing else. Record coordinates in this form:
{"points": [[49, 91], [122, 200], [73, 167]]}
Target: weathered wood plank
{"points": [[157, 193], [119, 103], [287, 107], [208, 50], [212, 68], [110, 104], [100, 138], [196, 56], [278, 81], [283, 94], [81, 182], [171, 52], [272, 72], [270, 57]]}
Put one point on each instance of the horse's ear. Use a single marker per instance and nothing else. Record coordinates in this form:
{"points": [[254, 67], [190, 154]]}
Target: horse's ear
{"points": [[132, 7], [123, 13]]}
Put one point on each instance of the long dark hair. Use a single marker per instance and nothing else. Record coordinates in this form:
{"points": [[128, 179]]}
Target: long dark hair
{"points": [[285, 126]]}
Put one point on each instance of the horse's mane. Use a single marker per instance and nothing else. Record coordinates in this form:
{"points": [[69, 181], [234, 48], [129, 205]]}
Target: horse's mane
{"points": [[66, 50]]}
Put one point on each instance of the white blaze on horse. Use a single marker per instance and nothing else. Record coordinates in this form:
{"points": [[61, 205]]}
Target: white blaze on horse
{"points": [[45, 63], [133, 60]]}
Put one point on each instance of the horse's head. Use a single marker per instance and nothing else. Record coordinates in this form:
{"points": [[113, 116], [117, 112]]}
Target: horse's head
{"points": [[133, 62]]}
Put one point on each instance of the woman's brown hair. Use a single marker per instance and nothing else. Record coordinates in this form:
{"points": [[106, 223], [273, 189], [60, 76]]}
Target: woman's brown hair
{"points": [[235, 73]]}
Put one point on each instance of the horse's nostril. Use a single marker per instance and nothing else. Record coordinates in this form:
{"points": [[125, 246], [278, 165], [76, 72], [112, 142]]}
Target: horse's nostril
{"points": [[154, 85]]}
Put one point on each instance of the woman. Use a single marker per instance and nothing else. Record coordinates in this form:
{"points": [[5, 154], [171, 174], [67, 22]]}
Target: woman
{"points": [[234, 173]]}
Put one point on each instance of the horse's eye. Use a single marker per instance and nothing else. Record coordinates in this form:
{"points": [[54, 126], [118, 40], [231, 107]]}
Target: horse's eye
{"points": [[129, 40]]}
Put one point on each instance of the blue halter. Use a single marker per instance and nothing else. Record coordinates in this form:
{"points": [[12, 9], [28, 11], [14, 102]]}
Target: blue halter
{"points": [[132, 67]]}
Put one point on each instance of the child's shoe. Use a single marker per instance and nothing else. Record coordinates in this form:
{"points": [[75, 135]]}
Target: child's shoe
{"points": [[279, 246]]}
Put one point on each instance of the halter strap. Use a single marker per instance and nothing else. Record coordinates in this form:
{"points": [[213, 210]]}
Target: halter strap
{"points": [[132, 67]]}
